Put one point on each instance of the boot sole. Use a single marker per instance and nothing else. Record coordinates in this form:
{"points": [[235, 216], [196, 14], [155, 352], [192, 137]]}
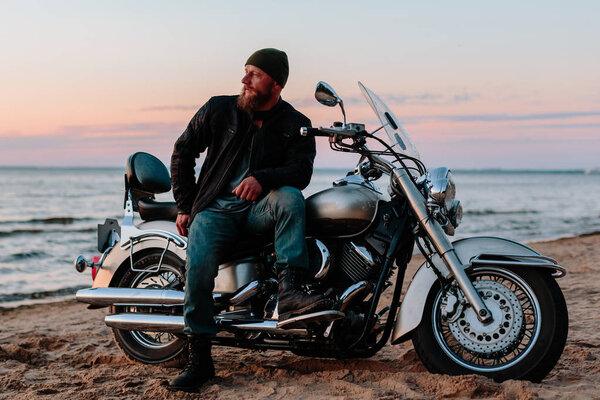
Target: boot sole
{"points": [[189, 389]]}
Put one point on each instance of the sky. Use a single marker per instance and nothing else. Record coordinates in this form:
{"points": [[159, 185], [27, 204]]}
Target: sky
{"points": [[511, 85]]}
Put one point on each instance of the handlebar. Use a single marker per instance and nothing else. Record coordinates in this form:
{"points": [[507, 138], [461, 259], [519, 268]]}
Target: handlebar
{"points": [[346, 130], [349, 130], [305, 131]]}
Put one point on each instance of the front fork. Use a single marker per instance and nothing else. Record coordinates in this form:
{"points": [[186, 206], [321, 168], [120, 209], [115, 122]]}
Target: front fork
{"points": [[442, 244]]}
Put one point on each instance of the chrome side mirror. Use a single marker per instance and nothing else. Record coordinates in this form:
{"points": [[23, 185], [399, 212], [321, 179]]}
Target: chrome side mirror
{"points": [[328, 97]]}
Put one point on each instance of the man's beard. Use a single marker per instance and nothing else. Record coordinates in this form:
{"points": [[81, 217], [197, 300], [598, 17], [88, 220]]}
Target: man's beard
{"points": [[252, 102]]}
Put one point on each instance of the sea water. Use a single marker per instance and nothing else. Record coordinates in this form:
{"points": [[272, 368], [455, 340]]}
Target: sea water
{"points": [[48, 216]]}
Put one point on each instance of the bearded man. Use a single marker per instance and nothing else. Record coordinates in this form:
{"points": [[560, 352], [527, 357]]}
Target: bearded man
{"points": [[255, 166]]}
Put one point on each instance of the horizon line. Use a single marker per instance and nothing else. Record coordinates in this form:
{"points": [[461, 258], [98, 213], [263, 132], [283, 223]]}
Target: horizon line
{"points": [[482, 169]]}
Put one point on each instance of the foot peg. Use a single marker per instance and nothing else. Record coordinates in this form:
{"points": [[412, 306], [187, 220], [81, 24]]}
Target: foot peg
{"points": [[312, 320]]}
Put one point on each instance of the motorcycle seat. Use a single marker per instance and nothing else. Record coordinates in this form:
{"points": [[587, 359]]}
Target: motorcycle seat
{"points": [[151, 210]]}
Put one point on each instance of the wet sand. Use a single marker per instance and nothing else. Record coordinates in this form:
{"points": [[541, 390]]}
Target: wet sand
{"points": [[62, 350]]}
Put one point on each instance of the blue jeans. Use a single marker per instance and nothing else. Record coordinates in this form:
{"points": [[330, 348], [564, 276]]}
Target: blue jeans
{"points": [[213, 235]]}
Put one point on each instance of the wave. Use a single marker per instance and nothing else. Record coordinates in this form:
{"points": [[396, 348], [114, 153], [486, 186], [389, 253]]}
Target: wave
{"points": [[500, 212], [11, 297], [16, 232], [24, 255], [48, 220]]}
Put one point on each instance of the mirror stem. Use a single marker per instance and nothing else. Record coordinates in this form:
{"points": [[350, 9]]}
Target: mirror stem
{"points": [[343, 111]]}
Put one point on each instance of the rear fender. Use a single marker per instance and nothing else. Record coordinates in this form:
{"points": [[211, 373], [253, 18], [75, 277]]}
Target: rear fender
{"points": [[230, 278], [484, 250]]}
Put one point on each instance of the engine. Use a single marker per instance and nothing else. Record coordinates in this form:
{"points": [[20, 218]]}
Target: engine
{"points": [[342, 263]]}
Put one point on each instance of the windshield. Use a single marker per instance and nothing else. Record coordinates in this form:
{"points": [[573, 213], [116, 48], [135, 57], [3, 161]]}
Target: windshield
{"points": [[398, 138]]}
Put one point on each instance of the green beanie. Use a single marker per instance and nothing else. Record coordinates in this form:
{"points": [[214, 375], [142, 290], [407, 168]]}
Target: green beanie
{"points": [[274, 62]]}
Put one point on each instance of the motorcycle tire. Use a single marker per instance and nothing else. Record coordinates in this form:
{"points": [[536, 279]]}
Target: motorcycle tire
{"points": [[525, 340], [151, 347]]}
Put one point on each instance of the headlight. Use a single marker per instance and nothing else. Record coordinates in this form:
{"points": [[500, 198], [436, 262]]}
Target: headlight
{"points": [[441, 187]]}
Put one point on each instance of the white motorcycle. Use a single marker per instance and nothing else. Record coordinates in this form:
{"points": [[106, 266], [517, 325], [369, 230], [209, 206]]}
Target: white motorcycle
{"points": [[481, 305]]}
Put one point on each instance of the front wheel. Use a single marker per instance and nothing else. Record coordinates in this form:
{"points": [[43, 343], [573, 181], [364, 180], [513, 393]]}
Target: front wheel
{"points": [[524, 340], [152, 347]]}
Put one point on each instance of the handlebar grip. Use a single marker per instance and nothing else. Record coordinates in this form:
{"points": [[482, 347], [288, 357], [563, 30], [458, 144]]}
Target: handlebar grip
{"points": [[305, 131]]}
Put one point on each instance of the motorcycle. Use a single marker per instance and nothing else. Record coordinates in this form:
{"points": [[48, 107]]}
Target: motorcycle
{"points": [[483, 305]]}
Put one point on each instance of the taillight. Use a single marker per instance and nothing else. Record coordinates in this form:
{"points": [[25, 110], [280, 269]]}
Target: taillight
{"points": [[95, 260]]}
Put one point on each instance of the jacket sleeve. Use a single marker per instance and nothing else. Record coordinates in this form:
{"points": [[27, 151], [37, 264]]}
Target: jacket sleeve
{"points": [[297, 169], [193, 141]]}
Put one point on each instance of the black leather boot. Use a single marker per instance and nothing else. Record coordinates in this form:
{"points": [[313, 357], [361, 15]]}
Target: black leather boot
{"points": [[293, 300], [199, 367]]}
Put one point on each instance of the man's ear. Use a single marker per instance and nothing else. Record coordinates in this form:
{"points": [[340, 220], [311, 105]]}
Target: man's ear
{"points": [[276, 89]]}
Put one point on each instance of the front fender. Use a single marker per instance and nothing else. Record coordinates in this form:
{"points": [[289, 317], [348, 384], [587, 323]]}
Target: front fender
{"points": [[413, 304]]}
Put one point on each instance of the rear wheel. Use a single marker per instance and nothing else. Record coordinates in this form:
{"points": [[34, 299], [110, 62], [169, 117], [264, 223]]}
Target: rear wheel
{"points": [[524, 341], [152, 347]]}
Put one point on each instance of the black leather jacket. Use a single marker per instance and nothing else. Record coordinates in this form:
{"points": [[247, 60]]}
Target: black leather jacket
{"points": [[279, 156]]}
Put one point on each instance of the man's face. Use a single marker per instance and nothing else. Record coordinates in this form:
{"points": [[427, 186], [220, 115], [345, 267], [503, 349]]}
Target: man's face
{"points": [[257, 90]]}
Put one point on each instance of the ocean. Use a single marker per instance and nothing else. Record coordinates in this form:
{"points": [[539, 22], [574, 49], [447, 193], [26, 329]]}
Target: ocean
{"points": [[48, 216]]}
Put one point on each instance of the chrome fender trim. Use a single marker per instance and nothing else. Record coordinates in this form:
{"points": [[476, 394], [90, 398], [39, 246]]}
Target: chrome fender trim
{"points": [[471, 252]]}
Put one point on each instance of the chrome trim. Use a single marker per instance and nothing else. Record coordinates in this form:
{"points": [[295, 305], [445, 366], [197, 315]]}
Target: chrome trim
{"points": [[320, 316], [126, 296], [441, 186], [325, 95], [81, 263], [516, 255], [325, 260], [351, 292], [521, 260], [151, 234], [247, 292], [269, 327], [154, 234], [146, 322], [363, 253]]}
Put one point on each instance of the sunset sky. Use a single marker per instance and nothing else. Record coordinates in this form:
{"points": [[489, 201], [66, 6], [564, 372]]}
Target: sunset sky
{"points": [[476, 84]]}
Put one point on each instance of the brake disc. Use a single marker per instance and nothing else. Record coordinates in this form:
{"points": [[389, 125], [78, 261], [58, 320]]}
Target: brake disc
{"points": [[498, 336]]}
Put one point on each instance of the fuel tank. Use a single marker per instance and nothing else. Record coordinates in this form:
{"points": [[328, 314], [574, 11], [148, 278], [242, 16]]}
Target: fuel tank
{"points": [[341, 211]]}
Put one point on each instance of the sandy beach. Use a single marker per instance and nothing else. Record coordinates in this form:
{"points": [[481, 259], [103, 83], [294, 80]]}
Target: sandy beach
{"points": [[62, 350]]}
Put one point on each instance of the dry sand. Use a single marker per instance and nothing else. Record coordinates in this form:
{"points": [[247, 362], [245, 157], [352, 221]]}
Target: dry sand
{"points": [[62, 350]]}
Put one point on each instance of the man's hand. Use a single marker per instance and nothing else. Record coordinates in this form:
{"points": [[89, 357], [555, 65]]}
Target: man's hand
{"points": [[182, 222], [248, 189]]}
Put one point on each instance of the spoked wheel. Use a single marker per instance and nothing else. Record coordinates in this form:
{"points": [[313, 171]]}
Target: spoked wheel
{"points": [[524, 340], [152, 347]]}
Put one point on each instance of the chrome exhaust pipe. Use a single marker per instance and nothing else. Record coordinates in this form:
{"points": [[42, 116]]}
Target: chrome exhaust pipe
{"points": [[270, 327], [146, 322], [175, 324], [123, 296]]}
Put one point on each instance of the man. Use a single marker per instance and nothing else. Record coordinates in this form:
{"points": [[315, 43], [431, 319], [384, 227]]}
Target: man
{"points": [[255, 167]]}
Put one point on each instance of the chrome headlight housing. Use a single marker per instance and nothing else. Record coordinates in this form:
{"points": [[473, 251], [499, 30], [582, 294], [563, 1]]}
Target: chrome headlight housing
{"points": [[456, 213], [441, 187]]}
